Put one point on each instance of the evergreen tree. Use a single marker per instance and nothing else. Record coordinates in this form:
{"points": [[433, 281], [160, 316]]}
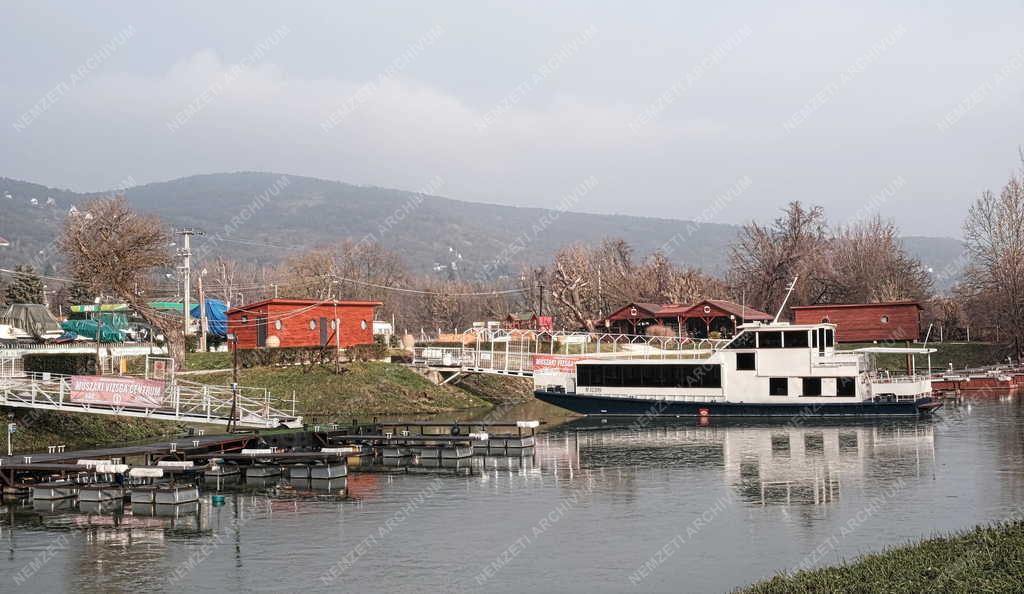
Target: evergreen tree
{"points": [[26, 287]]}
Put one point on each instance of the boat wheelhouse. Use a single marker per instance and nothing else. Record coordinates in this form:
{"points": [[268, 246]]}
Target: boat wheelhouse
{"points": [[767, 369]]}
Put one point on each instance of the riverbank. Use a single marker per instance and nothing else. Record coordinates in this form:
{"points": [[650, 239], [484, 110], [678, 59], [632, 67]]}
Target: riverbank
{"points": [[360, 389], [38, 429], [986, 559]]}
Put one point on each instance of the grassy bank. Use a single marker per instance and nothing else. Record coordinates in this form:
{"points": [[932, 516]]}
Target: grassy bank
{"points": [[361, 389], [960, 354], [203, 361], [497, 389], [987, 559], [38, 429]]}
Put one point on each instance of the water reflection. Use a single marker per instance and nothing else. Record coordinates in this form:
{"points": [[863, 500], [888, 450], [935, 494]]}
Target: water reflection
{"points": [[779, 463]]}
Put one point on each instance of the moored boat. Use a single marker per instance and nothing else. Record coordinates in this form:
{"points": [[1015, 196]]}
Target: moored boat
{"points": [[773, 369]]}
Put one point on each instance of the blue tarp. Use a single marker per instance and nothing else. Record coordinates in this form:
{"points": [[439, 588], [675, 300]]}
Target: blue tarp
{"points": [[216, 317]]}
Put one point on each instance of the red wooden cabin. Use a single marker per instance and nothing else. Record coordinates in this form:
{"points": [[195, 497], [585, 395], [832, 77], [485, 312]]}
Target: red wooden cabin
{"points": [[866, 322], [288, 323]]}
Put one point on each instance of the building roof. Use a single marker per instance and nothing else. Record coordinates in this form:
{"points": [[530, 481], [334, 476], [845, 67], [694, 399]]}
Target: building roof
{"points": [[644, 310], [748, 314], [521, 316], [821, 306], [4, 242], [304, 303]]}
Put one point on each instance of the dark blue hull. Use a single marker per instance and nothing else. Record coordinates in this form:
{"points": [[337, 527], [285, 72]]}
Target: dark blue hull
{"points": [[611, 406]]}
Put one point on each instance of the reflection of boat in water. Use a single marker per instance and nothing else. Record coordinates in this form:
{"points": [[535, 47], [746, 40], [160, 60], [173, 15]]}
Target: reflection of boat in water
{"points": [[812, 464], [766, 462]]}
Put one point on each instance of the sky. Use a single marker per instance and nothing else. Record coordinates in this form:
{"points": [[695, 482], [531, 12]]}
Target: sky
{"points": [[722, 112]]}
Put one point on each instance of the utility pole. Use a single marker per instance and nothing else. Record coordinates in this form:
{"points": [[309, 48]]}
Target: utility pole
{"points": [[541, 291], [203, 323], [186, 253]]}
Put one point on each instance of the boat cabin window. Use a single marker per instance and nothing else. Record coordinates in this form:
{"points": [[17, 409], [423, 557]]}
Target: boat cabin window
{"points": [[795, 339], [812, 386], [745, 340], [778, 386], [822, 338], [846, 386], [769, 340], [746, 361], [650, 376]]}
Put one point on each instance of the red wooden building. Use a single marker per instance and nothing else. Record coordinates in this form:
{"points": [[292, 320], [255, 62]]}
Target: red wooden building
{"points": [[698, 320], [289, 323], [866, 322]]}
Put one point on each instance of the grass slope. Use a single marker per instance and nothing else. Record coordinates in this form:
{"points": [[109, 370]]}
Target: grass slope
{"points": [[960, 354], [986, 559], [39, 429], [361, 389]]}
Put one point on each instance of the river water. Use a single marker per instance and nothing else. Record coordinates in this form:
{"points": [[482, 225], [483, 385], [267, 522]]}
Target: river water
{"points": [[666, 506]]}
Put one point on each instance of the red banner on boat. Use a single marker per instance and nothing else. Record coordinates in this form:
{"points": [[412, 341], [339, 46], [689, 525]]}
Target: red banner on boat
{"points": [[555, 363], [117, 391]]}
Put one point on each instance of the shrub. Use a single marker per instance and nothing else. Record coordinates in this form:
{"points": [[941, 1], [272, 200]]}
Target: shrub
{"points": [[367, 352], [67, 364]]}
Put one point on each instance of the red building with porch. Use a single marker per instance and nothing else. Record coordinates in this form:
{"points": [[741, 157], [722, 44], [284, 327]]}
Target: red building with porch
{"points": [[698, 320], [288, 323], [866, 322]]}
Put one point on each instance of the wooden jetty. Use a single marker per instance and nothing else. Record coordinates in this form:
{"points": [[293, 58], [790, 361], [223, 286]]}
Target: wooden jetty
{"points": [[167, 472]]}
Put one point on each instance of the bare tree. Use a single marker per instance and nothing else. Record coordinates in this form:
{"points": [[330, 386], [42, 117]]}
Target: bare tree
{"points": [[994, 234], [764, 259], [869, 264], [114, 250]]}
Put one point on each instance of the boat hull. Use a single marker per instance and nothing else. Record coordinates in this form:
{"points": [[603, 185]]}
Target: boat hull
{"points": [[611, 406]]}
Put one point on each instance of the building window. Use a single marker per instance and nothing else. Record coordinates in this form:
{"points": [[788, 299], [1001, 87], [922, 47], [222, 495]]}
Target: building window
{"points": [[812, 386], [830, 337], [746, 361], [278, 324], [885, 319], [846, 386], [334, 324], [769, 340], [778, 386], [362, 324], [796, 339], [312, 324], [245, 319]]}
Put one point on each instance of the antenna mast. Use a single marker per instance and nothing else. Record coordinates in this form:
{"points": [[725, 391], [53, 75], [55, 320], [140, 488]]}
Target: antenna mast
{"points": [[789, 291]]}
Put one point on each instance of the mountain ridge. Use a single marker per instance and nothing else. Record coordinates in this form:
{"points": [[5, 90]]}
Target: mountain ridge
{"points": [[456, 238]]}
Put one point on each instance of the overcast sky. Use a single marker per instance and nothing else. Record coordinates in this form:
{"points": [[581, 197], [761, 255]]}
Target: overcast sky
{"points": [[907, 108]]}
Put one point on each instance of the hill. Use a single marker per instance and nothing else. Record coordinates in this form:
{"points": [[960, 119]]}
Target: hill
{"points": [[266, 216]]}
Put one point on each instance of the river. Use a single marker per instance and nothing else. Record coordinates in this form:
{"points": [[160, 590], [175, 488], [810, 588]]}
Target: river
{"points": [[618, 506]]}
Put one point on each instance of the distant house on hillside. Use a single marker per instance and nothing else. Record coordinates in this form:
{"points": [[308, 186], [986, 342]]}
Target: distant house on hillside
{"points": [[527, 320]]}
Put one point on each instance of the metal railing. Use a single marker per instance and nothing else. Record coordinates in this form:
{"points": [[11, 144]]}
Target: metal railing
{"points": [[182, 401], [512, 351]]}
